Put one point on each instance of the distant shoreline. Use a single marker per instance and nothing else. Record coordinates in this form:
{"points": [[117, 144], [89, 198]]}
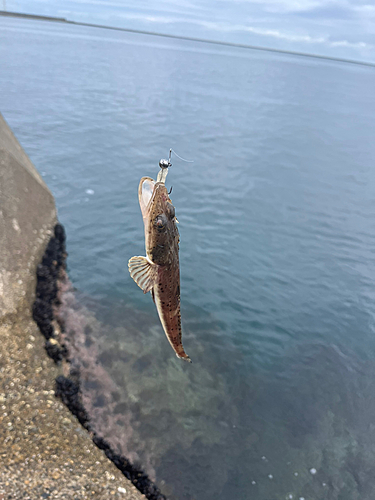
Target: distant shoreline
{"points": [[33, 16], [36, 17]]}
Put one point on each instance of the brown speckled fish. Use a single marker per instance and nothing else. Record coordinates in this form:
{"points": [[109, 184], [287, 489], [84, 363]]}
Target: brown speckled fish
{"points": [[159, 271]]}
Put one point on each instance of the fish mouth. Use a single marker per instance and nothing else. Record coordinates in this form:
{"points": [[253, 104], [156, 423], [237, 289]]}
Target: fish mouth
{"points": [[146, 193]]}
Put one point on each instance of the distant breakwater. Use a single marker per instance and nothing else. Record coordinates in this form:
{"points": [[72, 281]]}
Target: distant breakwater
{"points": [[37, 17]]}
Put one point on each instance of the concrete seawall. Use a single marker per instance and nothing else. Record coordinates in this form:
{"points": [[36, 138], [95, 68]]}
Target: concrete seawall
{"points": [[27, 217], [44, 451]]}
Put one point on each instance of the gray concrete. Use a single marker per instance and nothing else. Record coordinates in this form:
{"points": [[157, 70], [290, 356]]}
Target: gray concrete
{"points": [[44, 452], [27, 214]]}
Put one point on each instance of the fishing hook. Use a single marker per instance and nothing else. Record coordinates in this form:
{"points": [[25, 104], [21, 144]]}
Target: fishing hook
{"points": [[165, 164]]}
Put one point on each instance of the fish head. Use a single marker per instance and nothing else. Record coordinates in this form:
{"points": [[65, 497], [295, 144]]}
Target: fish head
{"points": [[161, 234]]}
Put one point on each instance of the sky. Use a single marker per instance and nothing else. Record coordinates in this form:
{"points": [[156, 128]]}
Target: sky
{"points": [[337, 28]]}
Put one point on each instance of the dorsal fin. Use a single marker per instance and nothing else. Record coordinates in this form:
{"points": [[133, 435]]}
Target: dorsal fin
{"points": [[143, 272]]}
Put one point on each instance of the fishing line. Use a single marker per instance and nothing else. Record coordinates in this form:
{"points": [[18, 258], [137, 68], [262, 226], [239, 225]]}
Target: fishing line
{"points": [[166, 164], [183, 159]]}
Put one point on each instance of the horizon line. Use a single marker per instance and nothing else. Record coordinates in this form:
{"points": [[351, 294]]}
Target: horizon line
{"points": [[186, 38]]}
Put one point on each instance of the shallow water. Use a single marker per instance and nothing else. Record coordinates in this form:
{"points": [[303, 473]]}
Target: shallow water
{"points": [[277, 251]]}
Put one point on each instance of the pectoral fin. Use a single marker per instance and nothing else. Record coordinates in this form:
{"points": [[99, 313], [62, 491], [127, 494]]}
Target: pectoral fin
{"points": [[143, 272]]}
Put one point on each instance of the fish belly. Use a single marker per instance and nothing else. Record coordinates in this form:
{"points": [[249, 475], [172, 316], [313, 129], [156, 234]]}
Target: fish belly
{"points": [[167, 300]]}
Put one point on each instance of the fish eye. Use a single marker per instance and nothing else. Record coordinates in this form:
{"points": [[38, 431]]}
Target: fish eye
{"points": [[171, 210], [160, 222]]}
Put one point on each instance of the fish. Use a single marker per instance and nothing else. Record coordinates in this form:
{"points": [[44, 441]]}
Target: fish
{"points": [[159, 271]]}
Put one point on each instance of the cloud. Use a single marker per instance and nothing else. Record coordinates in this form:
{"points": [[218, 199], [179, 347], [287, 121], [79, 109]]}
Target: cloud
{"points": [[288, 6], [221, 27], [291, 37], [345, 43], [367, 10], [344, 27]]}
